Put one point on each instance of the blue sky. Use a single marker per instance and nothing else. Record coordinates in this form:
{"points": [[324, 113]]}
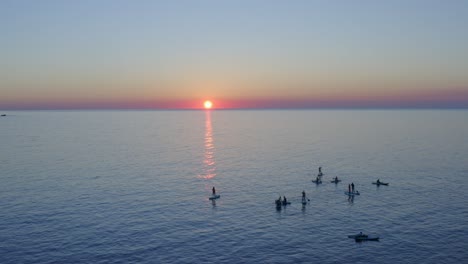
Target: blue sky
{"points": [[96, 52]]}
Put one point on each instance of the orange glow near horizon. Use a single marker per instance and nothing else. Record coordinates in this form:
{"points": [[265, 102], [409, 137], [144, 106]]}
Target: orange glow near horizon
{"points": [[450, 98], [208, 104]]}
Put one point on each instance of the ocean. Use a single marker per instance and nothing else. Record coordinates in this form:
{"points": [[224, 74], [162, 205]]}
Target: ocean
{"points": [[133, 186]]}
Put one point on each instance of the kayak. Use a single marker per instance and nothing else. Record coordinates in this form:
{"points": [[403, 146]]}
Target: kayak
{"points": [[357, 236], [360, 238], [352, 193], [317, 182], [334, 181], [215, 196], [380, 183]]}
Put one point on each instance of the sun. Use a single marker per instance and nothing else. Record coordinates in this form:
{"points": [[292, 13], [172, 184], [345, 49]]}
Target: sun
{"points": [[208, 104]]}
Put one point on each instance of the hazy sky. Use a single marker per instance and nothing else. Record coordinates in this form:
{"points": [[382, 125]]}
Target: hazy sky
{"points": [[175, 54]]}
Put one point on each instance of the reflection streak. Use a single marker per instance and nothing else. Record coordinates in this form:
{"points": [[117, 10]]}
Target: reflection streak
{"points": [[209, 166]]}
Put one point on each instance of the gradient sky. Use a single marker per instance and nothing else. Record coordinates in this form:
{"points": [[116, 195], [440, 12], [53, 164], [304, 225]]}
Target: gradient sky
{"points": [[240, 54]]}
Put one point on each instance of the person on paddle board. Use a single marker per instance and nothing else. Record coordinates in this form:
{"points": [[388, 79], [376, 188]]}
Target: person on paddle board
{"points": [[352, 186], [214, 190], [278, 203], [285, 202], [320, 170], [303, 196]]}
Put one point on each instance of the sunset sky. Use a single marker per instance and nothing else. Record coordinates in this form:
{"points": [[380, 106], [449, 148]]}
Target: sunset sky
{"points": [[112, 54]]}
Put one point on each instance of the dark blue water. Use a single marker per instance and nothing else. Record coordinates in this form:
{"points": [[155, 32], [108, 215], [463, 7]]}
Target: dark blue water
{"points": [[120, 187]]}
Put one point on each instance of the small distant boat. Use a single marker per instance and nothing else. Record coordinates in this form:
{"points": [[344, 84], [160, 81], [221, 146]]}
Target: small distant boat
{"points": [[358, 235], [353, 193], [3, 114], [363, 237], [380, 183], [367, 238]]}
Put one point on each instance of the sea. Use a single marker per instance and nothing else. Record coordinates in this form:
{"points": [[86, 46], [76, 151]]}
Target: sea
{"points": [[134, 186]]}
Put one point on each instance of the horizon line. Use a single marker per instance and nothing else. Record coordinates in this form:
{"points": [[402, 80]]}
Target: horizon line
{"points": [[241, 108]]}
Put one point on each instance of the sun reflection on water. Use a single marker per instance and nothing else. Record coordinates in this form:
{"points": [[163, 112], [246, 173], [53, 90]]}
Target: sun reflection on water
{"points": [[209, 166]]}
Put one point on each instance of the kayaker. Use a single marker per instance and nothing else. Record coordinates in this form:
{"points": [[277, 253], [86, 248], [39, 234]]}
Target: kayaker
{"points": [[336, 178], [352, 186], [378, 181], [214, 190]]}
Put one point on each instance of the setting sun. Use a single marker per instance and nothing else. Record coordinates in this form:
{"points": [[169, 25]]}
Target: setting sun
{"points": [[208, 104]]}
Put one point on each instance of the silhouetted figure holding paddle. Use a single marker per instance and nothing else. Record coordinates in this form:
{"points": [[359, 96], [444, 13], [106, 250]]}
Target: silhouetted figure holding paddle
{"points": [[352, 186], [214, 190], [278, 204]]}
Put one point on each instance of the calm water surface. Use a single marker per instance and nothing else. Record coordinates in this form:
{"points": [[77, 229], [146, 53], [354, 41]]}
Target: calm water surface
{"points": [[133, 186]]}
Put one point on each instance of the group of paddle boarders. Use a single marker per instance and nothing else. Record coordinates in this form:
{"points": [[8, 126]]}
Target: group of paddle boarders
{"points": [[283, 202]]}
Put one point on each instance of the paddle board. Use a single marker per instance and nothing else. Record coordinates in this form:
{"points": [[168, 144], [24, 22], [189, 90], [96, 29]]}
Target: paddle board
{"points": [[216, 196], [352, 193]]}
